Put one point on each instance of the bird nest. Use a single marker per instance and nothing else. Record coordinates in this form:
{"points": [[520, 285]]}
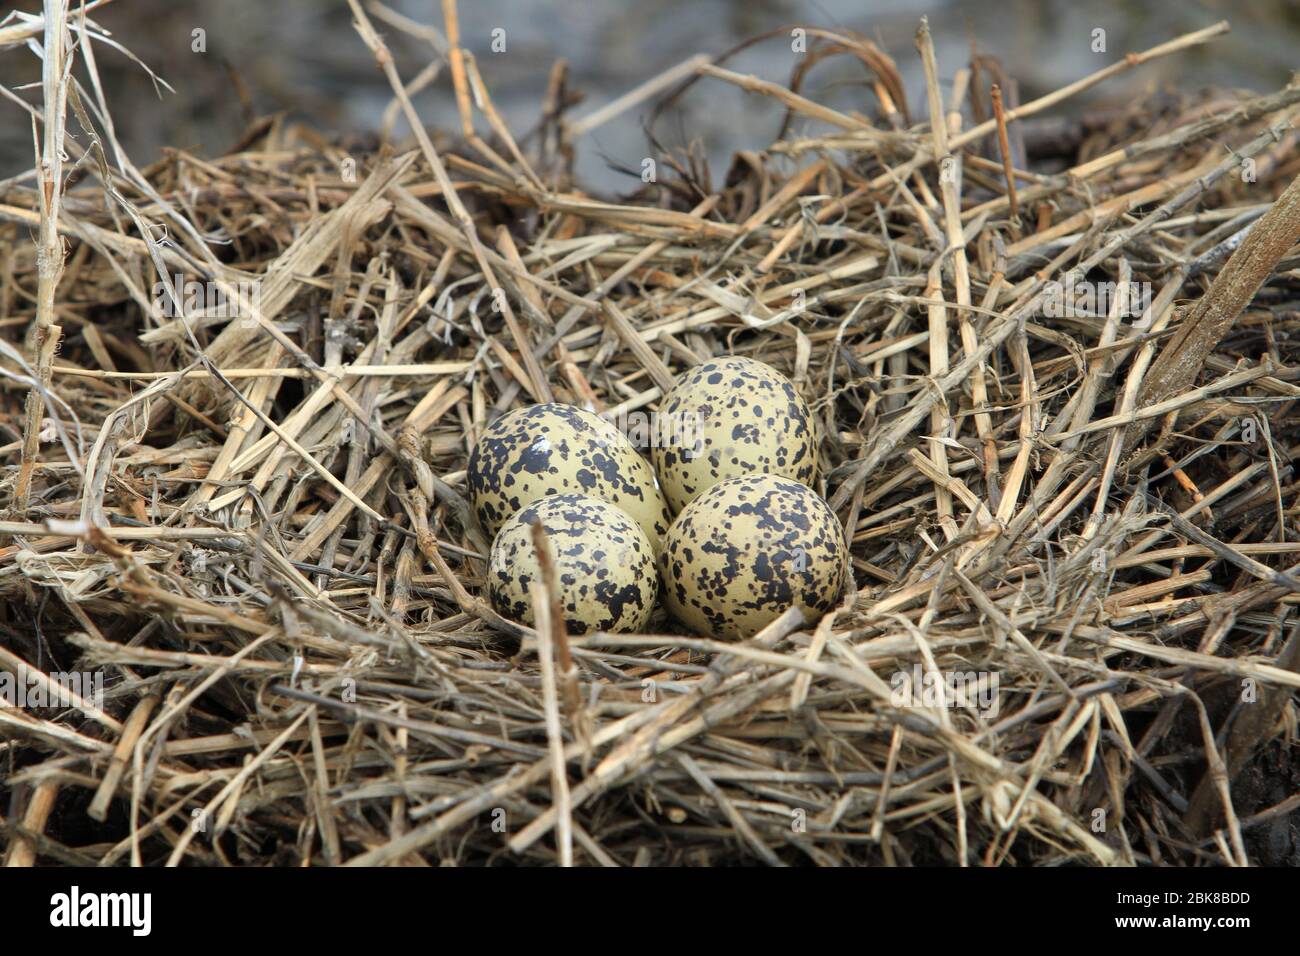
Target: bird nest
{"points": [[1052, 359]]}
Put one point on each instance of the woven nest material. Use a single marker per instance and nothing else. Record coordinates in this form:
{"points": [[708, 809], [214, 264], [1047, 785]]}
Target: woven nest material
{"points": [[233, 446]]}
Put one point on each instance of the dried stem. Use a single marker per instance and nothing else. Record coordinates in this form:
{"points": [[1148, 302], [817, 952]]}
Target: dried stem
{"points": [[55, 70]]}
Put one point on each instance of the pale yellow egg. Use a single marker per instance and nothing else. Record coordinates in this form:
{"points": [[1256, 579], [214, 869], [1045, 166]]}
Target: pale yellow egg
{"points": [[731, 417], [604, 565], [554, 449], [746, 550]]}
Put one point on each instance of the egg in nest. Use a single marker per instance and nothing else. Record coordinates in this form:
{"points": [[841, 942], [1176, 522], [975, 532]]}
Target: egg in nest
{"points": [[604, 564], [746, 550], [735, 416], [553, 449]]}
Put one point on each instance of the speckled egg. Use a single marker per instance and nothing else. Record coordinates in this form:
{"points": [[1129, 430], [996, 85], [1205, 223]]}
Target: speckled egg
{"points": [[603, 563], [556, 449], [747, 549], [735, 417]]}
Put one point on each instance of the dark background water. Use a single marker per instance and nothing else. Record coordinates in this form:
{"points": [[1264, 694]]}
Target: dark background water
{"points": [[304, 57]]}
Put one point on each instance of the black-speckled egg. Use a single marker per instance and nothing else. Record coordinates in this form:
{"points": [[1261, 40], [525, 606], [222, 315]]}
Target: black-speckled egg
{"points": [[747, 549], [603, 563], [557, 449], [735, 416]]}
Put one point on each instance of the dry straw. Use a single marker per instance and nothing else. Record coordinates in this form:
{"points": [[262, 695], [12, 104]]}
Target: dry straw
{"points": [[258, 525]]}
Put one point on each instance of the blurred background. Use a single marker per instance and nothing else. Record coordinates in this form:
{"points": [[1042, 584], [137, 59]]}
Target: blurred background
{"points": [[303, 58]]}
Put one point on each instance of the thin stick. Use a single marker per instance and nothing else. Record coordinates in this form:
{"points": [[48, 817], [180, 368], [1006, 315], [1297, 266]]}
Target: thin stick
{"points": [[1184, 355], [549, 625], [98, 809], [22, 851], [603, 114], [1004, 147], [49, 256]]}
